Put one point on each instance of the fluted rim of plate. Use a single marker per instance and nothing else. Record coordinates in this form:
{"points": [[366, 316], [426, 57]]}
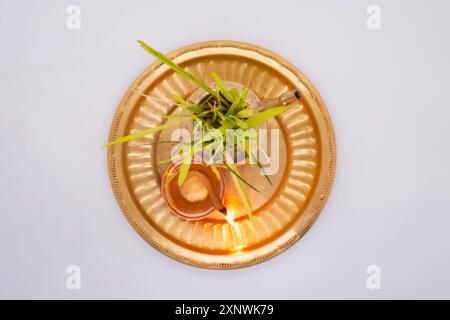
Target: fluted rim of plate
{"points": [[315, 207]]}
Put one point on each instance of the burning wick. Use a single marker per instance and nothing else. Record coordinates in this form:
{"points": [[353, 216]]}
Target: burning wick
{"points": [[229, 216], [197, 187]]}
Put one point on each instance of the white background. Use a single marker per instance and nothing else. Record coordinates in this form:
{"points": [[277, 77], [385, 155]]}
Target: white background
{"points": [[387, 92]]}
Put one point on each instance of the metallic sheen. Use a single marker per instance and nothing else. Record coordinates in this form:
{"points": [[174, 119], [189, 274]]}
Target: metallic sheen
{"points": [[283, 211]]}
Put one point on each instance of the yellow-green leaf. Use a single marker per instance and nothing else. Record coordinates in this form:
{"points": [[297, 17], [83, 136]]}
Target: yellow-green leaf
{"points": [[244, 113], [241, 189], [163, 58], [140, 134], [184, 169], [216, 171], [170, 178], [221, 87], [265, 115], [240, 123]]}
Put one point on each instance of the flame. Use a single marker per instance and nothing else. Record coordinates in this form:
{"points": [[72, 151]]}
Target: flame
{"points": [[229, 217]]}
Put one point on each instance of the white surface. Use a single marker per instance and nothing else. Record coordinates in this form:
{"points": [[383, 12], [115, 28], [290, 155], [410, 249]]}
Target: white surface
{"points": [[387, 92]]}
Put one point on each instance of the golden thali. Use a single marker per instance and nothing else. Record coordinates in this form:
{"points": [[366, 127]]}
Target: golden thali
{"points": [[283, 211]]}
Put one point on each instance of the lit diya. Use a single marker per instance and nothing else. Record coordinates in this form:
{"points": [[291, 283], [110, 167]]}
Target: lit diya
{"points": [[200, 194]]}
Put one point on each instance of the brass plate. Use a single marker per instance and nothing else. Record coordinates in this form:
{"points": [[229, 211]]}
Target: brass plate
{"points": [[283, 212]]}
